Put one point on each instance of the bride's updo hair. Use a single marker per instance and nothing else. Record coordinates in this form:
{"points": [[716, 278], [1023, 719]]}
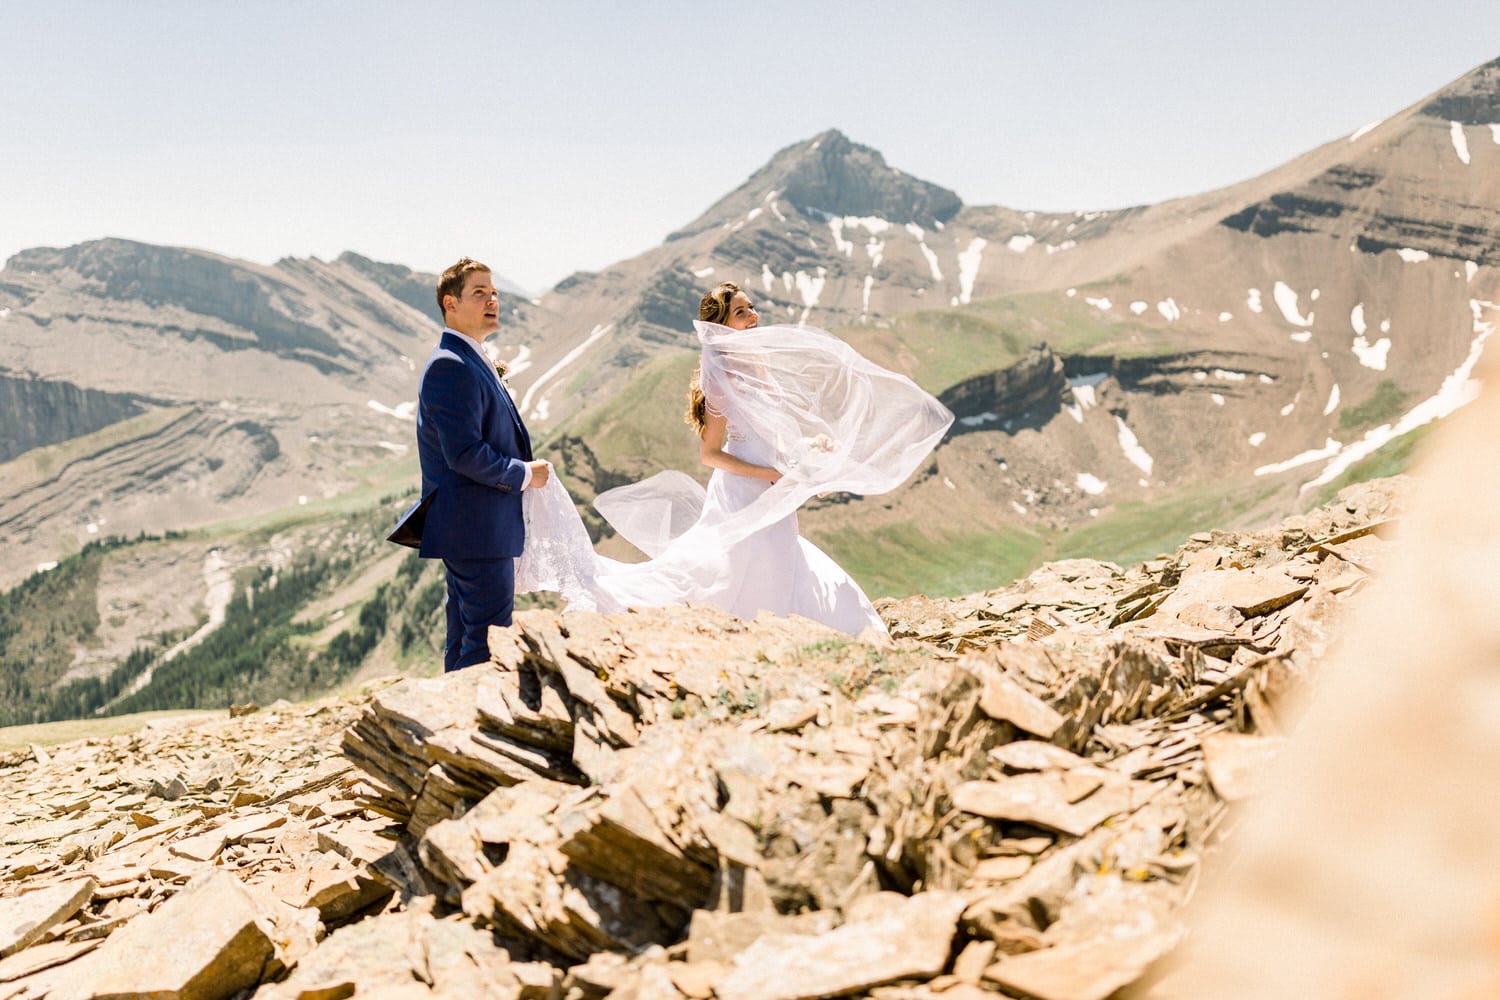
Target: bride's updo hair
{"points": [[714, 308], [715, 305]]}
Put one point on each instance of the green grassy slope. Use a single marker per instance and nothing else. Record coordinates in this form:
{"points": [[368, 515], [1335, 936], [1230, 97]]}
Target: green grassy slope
{"points": [[939, 348]]}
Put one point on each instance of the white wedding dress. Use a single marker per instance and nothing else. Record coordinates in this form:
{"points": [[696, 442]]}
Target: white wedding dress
{"points": [[795, 399]]}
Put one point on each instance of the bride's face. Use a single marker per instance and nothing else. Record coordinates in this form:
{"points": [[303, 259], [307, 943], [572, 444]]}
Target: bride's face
{"points": [[742, 315]]}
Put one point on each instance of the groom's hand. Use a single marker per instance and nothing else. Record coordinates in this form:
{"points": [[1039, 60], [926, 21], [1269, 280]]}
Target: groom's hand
{"points": [[540, 472]]}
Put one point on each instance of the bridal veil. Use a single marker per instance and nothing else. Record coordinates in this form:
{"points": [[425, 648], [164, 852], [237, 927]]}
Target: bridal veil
{"points": [[836, 422]]}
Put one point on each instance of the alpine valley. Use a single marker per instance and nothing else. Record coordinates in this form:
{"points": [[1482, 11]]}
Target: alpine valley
{"points": [[200, 456]]}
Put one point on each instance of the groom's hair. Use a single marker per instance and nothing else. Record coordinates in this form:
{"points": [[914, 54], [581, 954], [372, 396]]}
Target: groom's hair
{"points": [[452, 280]]}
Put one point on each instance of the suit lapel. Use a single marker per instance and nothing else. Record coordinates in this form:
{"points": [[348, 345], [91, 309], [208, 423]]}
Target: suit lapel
{"points": [[476, 359]]}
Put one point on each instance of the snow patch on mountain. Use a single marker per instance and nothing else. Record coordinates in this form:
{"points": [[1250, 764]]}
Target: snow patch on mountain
{"points": [[1091, 484], [1134, 453], [518, 364], [843, 246], [811, 288], [968, 267], [538, 411], [1457, 390], [1372, 355], [401, 411], [1084, 397], [1287, 301], [1330, 448], [1460, 144], [770, 200], [932, 261]]}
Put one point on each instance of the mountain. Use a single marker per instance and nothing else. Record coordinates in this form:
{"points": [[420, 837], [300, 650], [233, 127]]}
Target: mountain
{"points": [[149, 388], [1225, 354], [1120, 379]]}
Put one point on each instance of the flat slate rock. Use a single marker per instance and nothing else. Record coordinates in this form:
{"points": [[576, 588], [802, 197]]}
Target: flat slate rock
{"points": [[25, 919], [911, 940], [1092, 970], [205, 943]]}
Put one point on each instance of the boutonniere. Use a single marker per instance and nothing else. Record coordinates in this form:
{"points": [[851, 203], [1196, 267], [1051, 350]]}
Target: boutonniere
{"points": [[501, 370]]}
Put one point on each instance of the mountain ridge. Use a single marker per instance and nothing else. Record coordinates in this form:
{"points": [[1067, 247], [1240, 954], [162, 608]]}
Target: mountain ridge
{"points": [[1118, 377]]}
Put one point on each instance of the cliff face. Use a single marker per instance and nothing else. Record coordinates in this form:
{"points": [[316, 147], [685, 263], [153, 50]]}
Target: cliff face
{"points": [[249, 299], [1417, 182], [1030, 390], [252, 387], [39, 413]]}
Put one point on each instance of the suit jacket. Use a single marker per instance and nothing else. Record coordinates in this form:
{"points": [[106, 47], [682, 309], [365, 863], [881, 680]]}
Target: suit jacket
{"points": [[473, 449]]}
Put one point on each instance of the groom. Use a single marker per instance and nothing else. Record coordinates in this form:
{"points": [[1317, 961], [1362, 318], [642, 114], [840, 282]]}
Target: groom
{"points": [[476, 459]]}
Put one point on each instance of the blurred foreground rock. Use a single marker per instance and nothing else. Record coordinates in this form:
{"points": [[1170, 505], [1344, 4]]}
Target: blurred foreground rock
{"points": [[1011, 796], [1372, 866]]}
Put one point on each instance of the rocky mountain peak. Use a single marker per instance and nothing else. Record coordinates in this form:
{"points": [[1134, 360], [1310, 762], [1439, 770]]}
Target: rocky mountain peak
{"points": [[83, 257], [1472, 99], [117, 269], [831, 174], [415, 288]]}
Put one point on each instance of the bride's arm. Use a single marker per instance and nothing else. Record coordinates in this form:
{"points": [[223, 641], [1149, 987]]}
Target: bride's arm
{"points": [[712, 454]]}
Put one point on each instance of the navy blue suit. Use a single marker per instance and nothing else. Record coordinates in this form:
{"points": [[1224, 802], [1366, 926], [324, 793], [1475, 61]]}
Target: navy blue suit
{"points": [[473, 449]]}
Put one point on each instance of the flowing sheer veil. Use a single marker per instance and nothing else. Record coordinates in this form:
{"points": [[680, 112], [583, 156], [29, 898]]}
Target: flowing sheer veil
{"points": [[837, 422]]}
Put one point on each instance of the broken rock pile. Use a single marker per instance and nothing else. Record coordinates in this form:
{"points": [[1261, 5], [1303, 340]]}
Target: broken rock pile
{"points": [[1011, 795]]}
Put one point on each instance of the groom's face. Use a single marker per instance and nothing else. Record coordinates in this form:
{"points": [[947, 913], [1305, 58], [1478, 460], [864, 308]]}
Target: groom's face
{"points": [[476, 311]]}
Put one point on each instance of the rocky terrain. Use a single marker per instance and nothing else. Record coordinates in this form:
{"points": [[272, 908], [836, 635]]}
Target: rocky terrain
{"points": [[1015, 794]]}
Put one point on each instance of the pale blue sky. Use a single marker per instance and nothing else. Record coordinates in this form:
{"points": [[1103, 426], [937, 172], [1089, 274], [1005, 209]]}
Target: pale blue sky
{"points": [[554, 136]]}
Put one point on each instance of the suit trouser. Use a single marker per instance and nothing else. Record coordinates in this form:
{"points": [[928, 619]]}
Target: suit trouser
{"points": [[481, 593]]}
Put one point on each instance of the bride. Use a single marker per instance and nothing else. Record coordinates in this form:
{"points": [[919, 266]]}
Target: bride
{"points": [[783, 413]]}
